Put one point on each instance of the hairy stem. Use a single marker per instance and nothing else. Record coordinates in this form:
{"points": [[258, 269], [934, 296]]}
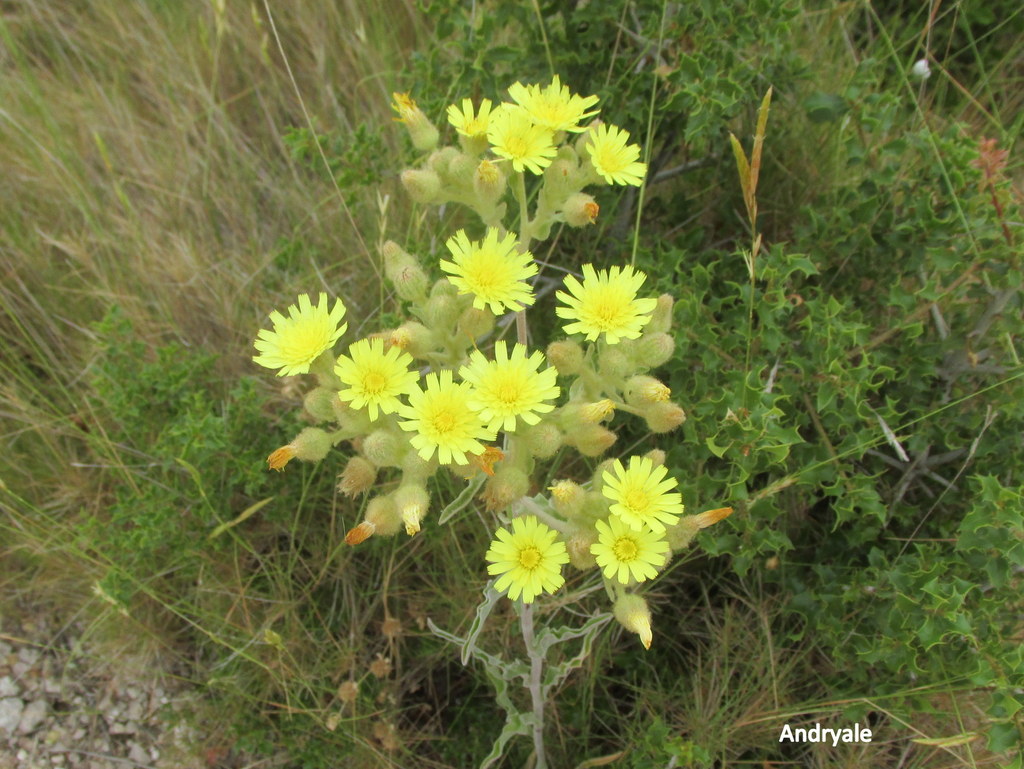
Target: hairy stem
{"points": [[536, 695]]}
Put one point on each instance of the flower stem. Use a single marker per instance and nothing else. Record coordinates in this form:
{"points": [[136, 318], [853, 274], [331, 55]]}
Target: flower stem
{"points": [[536, 695]]}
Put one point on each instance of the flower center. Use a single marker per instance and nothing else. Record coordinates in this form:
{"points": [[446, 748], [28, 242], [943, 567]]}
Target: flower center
{"points": [[636, 499], [373, 382], [443, 422], [529, 558], [625, 549], [508, 393], [517, 147]]}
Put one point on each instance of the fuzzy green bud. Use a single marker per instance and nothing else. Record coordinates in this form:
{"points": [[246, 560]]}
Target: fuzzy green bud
{"points": [[312, 444], [643, 390], [489, 182], [661, 318], [353, 421], [504, 487], [441, 311], [542, 440], [357, 477], [319, 404], [422, 184], [416, 469], [580, 210], [652, 350], [422, 132], [383, 448], [597, 479], [440, 161], [404, 271], [567, 497], [475, 323], [412, 501], [616, 363], [383, 513], [460, 173], [566, 356], [663, 417], [682, 533], [559, 181], [657, 457], [590, 439], [577, 544], [414, 338], [633, 614]]}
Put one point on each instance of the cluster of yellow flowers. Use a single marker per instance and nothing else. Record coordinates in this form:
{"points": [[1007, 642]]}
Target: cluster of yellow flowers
{"points": [[429, 379]]}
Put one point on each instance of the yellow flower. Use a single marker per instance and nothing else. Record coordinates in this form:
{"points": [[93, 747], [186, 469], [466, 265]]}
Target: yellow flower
{"points": [[606, 303], [375, 378], [514, 136], [628, 555], [302, 337], [641, 495], [465, 122], [441, 421], [553, 107], [492, 270], [510, 387], [529, 559], [612, 158]]}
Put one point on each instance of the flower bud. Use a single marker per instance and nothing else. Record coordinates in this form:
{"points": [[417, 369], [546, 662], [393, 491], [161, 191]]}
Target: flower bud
{"points": [[460, 172], [664, 416], [383, 513], [422, 184], [633, 614], [353, 421], [598, 411], [489, 182], [566, 356], [280, 457], [644, 390], [682, 533], [597, 479], [474, 145], [616, 363], [580, 210], [559, 178], [652, 350], [542, 440], [439, 161], [412, 501], [357, 477], [382, 448], [441, 311], [590, 439], [319, 403], [577, 544], [661, 318], [416, 469], [657, 457], [415, 338], [567, 497], [312, 444], [422, 132], [359, 534], [508, 484], [475, 323]]}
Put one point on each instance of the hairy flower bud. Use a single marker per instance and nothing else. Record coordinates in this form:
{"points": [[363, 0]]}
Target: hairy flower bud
{"points": [[566, 356], [633, 614], [383, 513], [657, 457], [616, 363], [441, 311], [412, 501], [542, 440], [422, 184], [664, 416], [652, 350], [681, 534], [382, 448], [567, 497], [312, 444], [661, 318], [440, 161], [504, 487], [643, 390], [489, 182], [580, 210], [590, 439], [577, 544], [415, 338], [475, 323], [422, 132], [357, 477], [319, 404]]}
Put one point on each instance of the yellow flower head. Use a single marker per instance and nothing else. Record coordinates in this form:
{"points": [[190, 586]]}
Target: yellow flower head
{"points": [[605, 303], [508, 388], [627, 555], [553, 106], [302, 337], [612, 158], [464, 120], [492, 270], [441, 421], [514, 136], [375, 378], [529, 559], [407, 109], [641, 495]]}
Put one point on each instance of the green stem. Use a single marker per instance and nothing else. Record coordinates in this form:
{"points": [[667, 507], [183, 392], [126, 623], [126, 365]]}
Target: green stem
{"points": [[522, 330], [536, 693]]}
